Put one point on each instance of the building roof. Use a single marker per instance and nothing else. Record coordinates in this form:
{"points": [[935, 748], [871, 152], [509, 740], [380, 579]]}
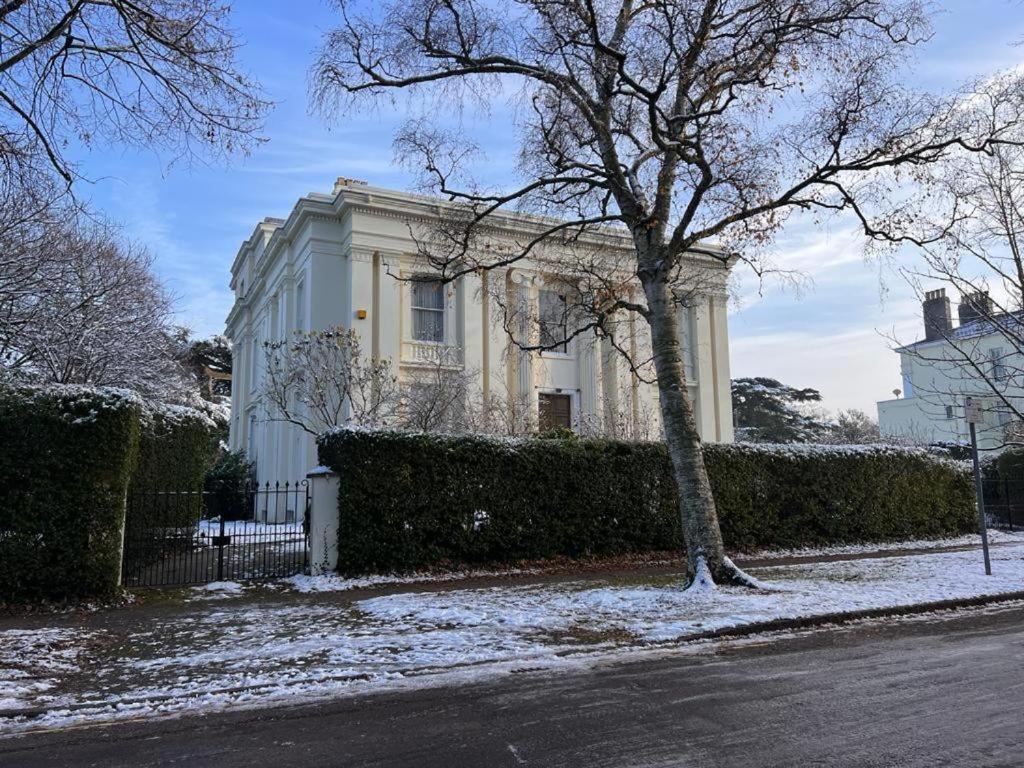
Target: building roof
{"points": [[978, 328]]}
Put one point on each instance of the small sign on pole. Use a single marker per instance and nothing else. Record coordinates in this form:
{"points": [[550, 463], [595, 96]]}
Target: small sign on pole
{"points": [[974, 415]]}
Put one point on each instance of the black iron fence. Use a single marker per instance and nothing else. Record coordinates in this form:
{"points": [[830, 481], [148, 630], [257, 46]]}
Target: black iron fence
{"points": [[1004, 502], [177, 537]]}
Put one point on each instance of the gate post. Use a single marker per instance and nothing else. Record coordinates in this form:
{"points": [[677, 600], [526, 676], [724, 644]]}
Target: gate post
{"points": [[323, 521]]}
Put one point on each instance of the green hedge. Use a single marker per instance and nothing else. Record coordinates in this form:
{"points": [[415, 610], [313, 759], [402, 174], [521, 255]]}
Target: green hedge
{"points": [[175, 448], [177, 445], [410, 501], [66, 459], [793, 496], [175, 451]]}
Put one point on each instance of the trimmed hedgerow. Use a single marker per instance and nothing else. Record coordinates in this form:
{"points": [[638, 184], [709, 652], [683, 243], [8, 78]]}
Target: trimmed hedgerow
{"points": [[175, 448], [227, 484], [66, 460], [794, 496], [410, 501]]}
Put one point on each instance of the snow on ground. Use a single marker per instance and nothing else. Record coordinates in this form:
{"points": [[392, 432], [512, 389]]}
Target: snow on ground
{"points": [[995, 536], [33, 661], [305, 584], [219, 590], [333, 583], [293, 648], [251, 528]]}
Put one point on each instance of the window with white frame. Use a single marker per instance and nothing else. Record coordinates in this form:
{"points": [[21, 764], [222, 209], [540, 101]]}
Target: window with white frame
{"points": [[427, 299], [553, 318], [254, 362], [908, 385], [300, 306], [250, 449], [998, 363]]}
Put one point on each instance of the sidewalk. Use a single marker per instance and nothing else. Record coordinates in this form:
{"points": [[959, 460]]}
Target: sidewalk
{"points": [[231, 646]]}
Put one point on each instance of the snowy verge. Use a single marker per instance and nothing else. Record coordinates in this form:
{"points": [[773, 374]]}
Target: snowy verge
{"points": [[269, 653], [995, 536], [306, 584]]}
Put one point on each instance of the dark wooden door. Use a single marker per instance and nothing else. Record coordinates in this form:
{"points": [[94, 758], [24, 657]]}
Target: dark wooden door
{"points": [[555, 411]]}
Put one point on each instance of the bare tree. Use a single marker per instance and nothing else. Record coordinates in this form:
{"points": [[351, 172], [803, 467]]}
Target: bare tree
{"points": [[31, 218], [851, 427], [674, 124], [971, 218], [319, 380], [134, 72], [440, 397], [90, 312]]}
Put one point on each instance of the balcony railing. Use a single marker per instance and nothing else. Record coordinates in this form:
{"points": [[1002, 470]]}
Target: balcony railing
{"points": [[430, 353]]}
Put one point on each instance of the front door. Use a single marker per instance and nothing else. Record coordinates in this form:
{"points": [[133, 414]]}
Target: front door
{"points": [[555, 411]]}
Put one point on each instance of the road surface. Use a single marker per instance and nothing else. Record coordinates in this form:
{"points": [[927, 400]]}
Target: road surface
{"points": [[944, 692]]}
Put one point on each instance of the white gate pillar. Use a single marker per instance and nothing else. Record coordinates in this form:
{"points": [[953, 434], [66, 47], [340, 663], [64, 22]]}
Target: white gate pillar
{"points": [[323, 521]]}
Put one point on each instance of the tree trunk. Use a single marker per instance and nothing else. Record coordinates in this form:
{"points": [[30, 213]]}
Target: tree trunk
{"points": [[707, 563]]}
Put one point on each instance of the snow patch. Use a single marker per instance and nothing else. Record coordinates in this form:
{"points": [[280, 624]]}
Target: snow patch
{"points": [[272, 652]]}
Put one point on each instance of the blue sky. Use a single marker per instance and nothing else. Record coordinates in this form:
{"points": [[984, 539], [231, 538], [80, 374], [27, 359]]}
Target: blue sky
{"points": [[831, 335]]}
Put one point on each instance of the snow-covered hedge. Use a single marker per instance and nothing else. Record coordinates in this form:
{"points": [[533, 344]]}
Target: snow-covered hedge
{"points": [[69, 456], [782, 496], [410, 501], [66, 458], [176, 447]]}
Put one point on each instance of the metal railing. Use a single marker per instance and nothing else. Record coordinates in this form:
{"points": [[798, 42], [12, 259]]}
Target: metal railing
{"points": [[1004, 502], [178, 537]]}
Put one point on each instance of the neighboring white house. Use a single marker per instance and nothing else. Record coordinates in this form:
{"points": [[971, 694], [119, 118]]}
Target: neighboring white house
{"points": [[333, 262], [951, 363]]}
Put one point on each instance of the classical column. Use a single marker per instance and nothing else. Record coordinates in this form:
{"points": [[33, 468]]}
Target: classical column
{"points": [[389, 307], [610, 387], [521, 285], [589, 411], [718, 313]]}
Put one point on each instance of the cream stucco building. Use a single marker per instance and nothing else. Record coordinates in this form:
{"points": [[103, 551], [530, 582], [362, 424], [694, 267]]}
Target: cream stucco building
{"points": [[975, 358], [346, 258]]}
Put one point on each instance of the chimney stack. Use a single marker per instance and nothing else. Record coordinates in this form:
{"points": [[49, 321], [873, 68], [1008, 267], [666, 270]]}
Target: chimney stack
{"points": [[344, 181], [938, 317], [974, 306]]}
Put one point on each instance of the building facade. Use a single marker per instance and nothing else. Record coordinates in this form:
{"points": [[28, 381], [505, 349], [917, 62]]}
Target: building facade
{"points": [[973, 358], [350, 259]]}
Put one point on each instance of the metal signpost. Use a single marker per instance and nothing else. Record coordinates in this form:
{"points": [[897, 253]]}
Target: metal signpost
{"points": [[975, 416]]}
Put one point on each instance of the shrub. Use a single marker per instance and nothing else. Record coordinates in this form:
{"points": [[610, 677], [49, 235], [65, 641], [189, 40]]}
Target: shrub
{"points": [[804, 495], [66, 460], [175, 447], [409, 501], [226, 483], [175, 450], [1008, 465]]}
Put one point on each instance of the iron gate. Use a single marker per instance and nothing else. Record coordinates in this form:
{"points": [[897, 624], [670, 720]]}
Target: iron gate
{"points": [[175, 537], [1004, 502]]}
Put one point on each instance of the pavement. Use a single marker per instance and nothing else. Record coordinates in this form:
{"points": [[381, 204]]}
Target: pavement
{"points": [[941, 690]]}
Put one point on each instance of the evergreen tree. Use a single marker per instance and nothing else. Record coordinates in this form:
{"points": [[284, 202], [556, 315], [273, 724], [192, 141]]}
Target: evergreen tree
{"points": [[767, 411]]}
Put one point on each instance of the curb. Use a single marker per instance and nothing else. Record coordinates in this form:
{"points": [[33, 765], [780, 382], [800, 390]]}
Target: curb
{"points": [[775, 625], [848, 617]]}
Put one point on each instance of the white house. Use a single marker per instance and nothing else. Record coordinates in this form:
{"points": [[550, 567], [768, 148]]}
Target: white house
{"points": [[345, 258], [974, 358]]}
